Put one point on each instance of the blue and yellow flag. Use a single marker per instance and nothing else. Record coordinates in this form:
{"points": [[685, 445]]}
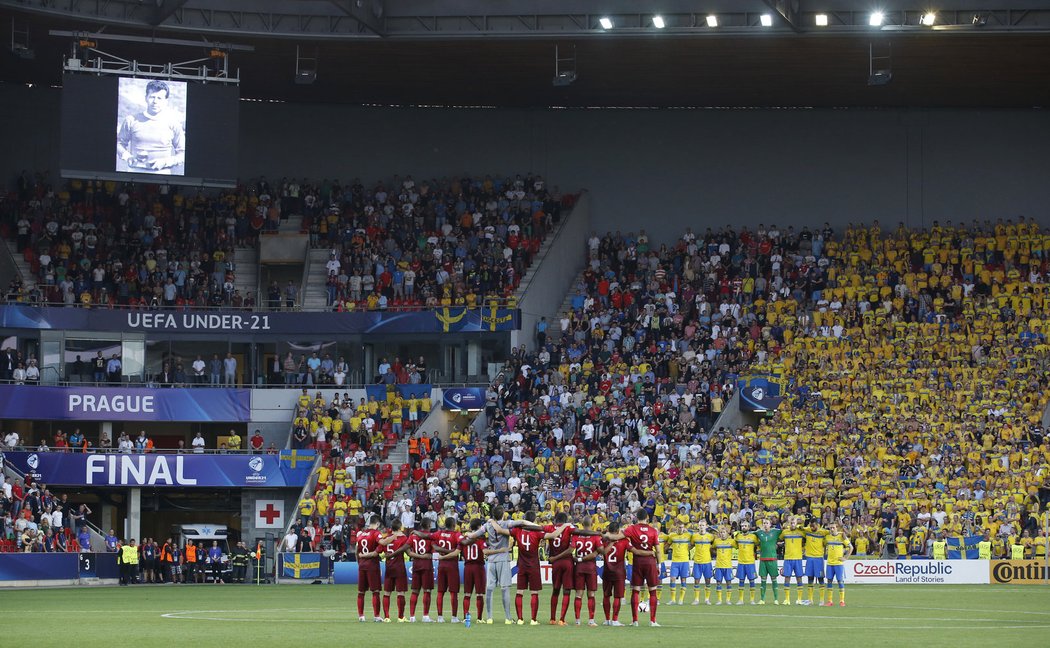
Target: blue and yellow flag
{"points": [[963, 547], [301, 565]]}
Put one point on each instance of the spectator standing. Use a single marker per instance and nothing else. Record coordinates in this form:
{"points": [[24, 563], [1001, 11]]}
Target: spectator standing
{"points": [[215, 370], [229, 366]]}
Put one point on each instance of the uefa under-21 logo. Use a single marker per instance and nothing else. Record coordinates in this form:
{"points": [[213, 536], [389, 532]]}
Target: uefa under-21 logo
{"points": [[256, 464], [33, 461], [758, 393]]}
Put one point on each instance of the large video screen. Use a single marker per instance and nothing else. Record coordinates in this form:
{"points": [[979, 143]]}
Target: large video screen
{"points": [[151, 127], [153, 130]]}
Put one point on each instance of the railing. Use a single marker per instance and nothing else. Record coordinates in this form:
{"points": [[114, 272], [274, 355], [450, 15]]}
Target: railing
{"points": [[262, 307], [152, 384], [104, 451]]}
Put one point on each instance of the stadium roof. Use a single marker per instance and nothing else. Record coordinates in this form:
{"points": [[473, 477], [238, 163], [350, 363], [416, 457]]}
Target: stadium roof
{"points": [[487, 53]]}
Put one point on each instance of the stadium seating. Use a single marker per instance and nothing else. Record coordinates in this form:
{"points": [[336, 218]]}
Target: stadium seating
{"points": [[912, 363], [461, 241]]}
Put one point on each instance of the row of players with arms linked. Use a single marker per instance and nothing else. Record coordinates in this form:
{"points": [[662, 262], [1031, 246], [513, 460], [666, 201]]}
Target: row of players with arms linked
{"points": [[630, 552]]}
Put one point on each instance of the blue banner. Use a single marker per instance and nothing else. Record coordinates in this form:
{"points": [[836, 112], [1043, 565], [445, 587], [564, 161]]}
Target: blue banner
{"points": [[463, 398], [39, 566], [36, 402], [449, 319], [964, 548], [290, 469], [301, 565]]}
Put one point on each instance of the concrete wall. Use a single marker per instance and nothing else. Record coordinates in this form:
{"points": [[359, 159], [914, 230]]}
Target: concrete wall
{"points": [[553, 277], [659, 169]]}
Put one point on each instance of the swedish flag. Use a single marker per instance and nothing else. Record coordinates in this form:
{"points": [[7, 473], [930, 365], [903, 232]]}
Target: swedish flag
{"points": [[305, 565]]}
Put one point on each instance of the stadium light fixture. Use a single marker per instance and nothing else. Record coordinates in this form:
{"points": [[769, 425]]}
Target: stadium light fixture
{"points": [[767, 20], [929, 18], [822, 20], [712, 21], [605, 22], [658, 21], [876, 19]]}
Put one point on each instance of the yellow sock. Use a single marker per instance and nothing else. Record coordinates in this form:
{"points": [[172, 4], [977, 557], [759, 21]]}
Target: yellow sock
{"points": [[707, 592], [719, 596], [828, 597], [696, 594], [809, 588], [751, 592], [842, 595], [681, 595], [821, 587]]}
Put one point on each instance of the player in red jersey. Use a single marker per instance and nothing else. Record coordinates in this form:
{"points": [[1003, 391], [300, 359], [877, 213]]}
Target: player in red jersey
{"points": [[368, 575], [586, 548], [422, 554], [644, 574], [446, 543], [395, 578], [527, 537], [559, 548], [614, 574], [474, 553]]}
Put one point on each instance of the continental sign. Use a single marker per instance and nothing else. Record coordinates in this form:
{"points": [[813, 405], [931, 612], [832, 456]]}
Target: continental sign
{"points": [[1018, 572]]}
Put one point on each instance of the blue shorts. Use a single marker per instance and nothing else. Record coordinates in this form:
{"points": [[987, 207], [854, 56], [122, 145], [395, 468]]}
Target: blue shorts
{"points": [[745, 570], [663, 570], [703, 570], [814, 568], [836, 572], [724, 574], [679, 570], [793, 568]]}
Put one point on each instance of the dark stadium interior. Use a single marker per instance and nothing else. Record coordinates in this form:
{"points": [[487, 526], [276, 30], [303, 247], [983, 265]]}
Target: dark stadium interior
{"points": [[960, 70]]}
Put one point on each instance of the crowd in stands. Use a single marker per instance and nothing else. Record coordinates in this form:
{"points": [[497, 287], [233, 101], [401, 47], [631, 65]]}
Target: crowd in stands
{"points": [[463, 241], [912, 362], [103, 243], [458, 241], [35, 520]]}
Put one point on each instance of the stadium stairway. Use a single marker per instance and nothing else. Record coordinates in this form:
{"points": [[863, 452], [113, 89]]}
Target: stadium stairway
{"points": [[315, 296], [23, 267], [291, 225], [246, 261], [548, 241], [553, 324]]}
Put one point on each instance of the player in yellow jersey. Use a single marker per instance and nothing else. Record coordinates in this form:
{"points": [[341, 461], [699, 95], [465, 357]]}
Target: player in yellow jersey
{"points": [[678, 543], [815, 542], [838, 549], [702, 567], [724, 546], [746, 544], [794, 537]]}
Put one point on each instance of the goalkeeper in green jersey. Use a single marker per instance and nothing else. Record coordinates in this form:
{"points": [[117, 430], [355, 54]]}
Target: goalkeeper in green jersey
{"points": [[767, 558]]}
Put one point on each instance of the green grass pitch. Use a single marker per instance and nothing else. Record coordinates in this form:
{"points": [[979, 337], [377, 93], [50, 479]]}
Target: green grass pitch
{"points": [[324, 615]]}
